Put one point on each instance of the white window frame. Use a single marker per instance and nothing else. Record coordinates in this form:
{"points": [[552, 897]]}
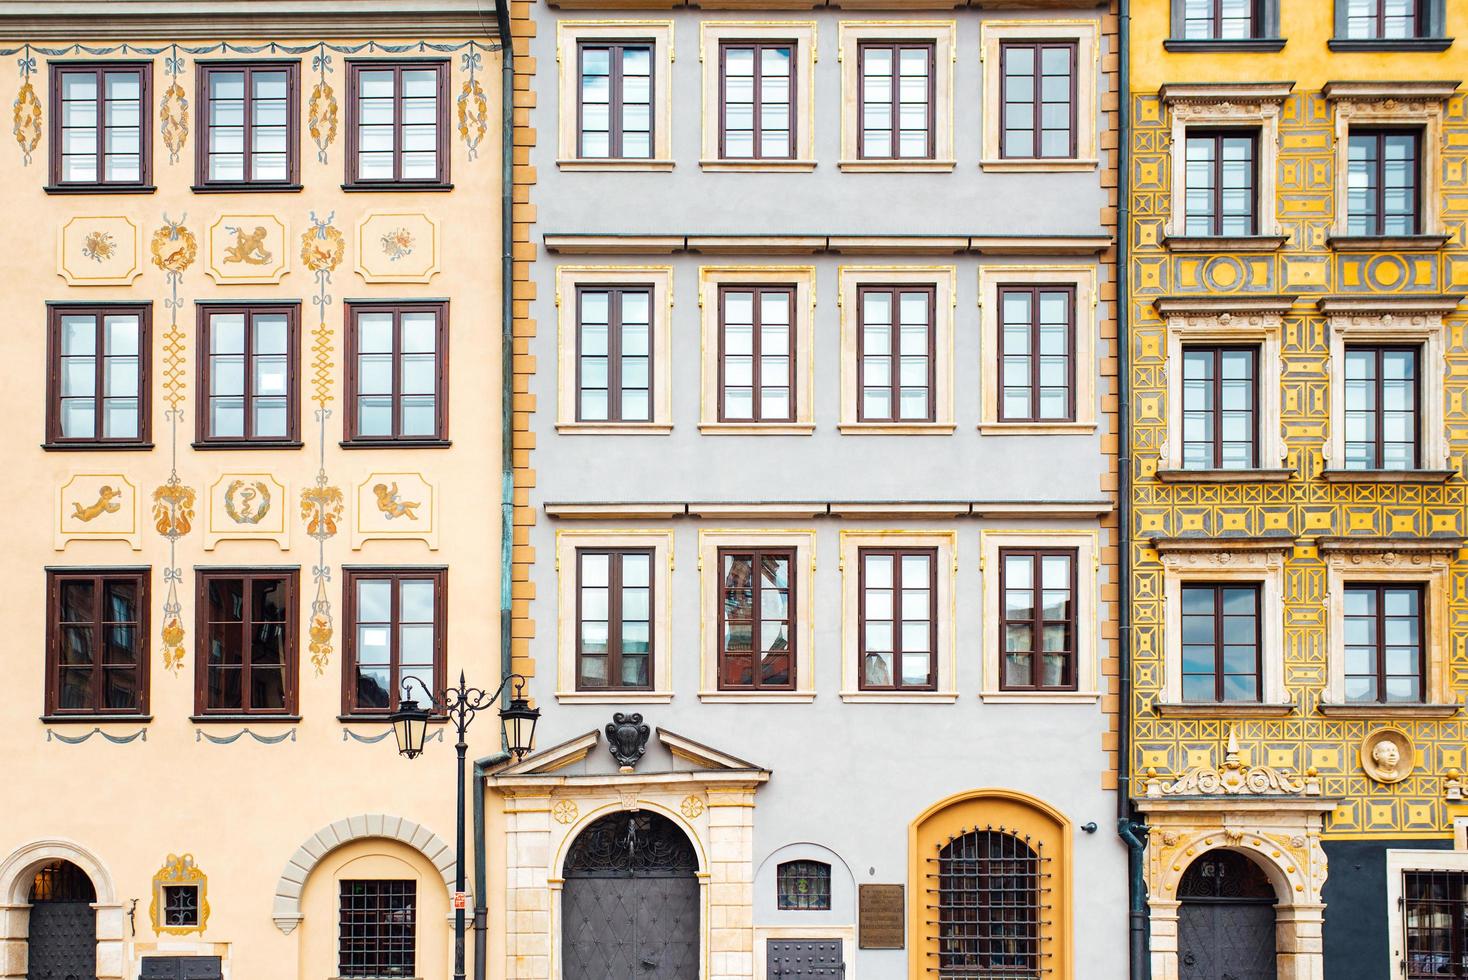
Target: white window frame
{"points": [[1083, 33], [1398, 862], [940, 33], [802, 33], [803, 278], [570, 34]]}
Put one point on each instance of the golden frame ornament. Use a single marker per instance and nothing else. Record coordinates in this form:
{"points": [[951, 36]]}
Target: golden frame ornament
{"points": [[179, 870]]}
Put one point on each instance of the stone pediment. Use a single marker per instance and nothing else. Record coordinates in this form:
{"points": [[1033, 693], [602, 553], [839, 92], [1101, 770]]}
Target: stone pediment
{"points": [[1234, 778], [670, 758]]}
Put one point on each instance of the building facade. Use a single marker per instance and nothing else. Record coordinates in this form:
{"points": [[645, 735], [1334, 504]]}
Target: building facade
{"points": [[254, 493], [1295, 274], [815, 432]]}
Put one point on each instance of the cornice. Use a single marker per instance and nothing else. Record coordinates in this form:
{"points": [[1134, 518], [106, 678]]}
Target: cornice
{"points": [[1213, 305], [133, 20], [1216, 93], [824, 244], [1389, 305], [1414, 91], [1355, 545], [1232, 544]]}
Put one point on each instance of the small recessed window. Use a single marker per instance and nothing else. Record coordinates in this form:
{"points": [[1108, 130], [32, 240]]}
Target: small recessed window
{"points": [[180, 906], [803, 886]]}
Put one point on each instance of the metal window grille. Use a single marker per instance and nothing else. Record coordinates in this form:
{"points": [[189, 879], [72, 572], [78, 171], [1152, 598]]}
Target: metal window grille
{"points": [[1434, 904], [180, 905], [378, 919], [988, 898], [803, 885], [61, 881]]}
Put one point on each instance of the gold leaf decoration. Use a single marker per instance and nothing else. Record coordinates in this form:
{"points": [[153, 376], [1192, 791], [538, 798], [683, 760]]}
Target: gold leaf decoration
{"points": [[173, 509], [26, 113], [173, 119], [321, 117], [323, 247], [473, 110], [174, 247]]}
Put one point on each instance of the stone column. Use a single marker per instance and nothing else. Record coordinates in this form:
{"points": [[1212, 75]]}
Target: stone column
{"points": [[111, 956], [731, 883], [1163, 918], [14, 927], [1298, 937], [527, 888]]}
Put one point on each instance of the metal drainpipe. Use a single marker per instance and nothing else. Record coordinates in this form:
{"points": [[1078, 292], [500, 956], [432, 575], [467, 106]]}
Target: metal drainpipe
{"points": [[1127, 826]]}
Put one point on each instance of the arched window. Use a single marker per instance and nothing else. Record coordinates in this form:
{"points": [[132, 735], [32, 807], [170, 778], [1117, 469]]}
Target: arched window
{"points": [[1225, 875], [990, 903], [803, 886]]}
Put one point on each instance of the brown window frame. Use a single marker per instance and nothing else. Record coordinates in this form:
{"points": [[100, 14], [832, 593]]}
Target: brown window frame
{"points": [[757, 556], [614, 97], [141, 577], [895, 104], [144, 183], [614, 620], [1034, 355], [290, 668], [54, 313], [1215, 22], [203, 183], [1217, 588], [1216, 216], [897, 618], [895, 291], [759, 47], [1429, 946], [1216, 413], [1376, 217], [441, 180], [1378, 411], [1380, 646], [1037, 620], [1037, 102], [204, 439], [351, 575], [615, 292], [757, 375], [352, 438], [1378, 23]]}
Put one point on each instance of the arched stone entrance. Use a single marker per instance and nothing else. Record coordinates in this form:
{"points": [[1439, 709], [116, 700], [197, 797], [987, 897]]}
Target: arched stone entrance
{"points": [[630, 902], [62, 939], [1226, 919], [29, 878]]}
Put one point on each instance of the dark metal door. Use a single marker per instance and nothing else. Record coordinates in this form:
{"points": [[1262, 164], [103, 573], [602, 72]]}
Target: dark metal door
{"points": [[1225, 940], [803, 959], [630, 906], [63, 941]]}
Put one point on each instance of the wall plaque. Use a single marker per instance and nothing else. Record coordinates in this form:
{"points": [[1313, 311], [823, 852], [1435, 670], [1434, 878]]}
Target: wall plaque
{"points": [[880, 922]]}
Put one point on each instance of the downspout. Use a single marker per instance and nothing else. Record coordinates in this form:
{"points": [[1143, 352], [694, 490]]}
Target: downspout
{"points": [[507, 462], [1127, 827]]}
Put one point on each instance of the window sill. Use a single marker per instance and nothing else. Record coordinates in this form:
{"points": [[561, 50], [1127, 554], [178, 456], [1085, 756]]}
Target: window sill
{"points": [[1225, 476], [246, 187], [897, 166], [900, 697], [1394, 44], [757, 428], [614, 428], [1036, 428], [573, 165], [431, 186], [1385, 243], [1057, 165], [614, 697], [206, 447], [757, 166], [1370, 711], [244, 719], [80, 719], [1209, 709], [756, 697], [96, 447], [383, 718], [1039, 697], [1224, 243], [1180, 44], [1387, 476], [395, 443], [897, 428], [99, 189]]}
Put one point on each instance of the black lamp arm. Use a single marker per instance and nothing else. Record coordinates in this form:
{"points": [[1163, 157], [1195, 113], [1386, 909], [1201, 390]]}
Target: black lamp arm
{"points": [[462, 702]]}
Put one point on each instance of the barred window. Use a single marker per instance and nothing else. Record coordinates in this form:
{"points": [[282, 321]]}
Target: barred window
{"points": [[181, 905], [1434, 902], [991, 906], [377, 929], [803, 886]]}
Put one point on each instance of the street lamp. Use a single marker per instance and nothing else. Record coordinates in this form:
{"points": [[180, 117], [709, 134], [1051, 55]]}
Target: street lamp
{"points": [[461, 703]]}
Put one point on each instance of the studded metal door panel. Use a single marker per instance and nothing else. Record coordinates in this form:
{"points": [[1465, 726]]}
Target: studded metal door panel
{"points": [[63, 941], [1226, 941], [630, 929], [803, 959]]}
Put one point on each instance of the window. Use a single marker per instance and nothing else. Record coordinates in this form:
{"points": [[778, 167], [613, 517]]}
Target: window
{"points": [[1221, 20], [756, 613], [378, 928], [757, 100], [1220, 408], [898, 619], [1381, 20], [181, 906], [1381, 408], [615, 105], [397, 373], [1040, 642], [756, 354], [397, 124], [248, 126], [1037, 352], [1221, 183], [614, 612], [896, 353], [394, 631], [1221, 648], [101, 137], [803, 886], [97, 654], [1039, 93], [248, 376], [614, 354], [1382, 182], [99, 378], [990, 909], [1385, 648], [247, 643], [1437, 926], [896, 98]]}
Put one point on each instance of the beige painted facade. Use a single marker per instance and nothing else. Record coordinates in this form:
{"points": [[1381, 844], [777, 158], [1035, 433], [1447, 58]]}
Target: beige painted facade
{"points": [[272, 812]]}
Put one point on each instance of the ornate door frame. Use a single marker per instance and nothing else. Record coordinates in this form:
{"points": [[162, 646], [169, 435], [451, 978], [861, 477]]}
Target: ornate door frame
{"points": [[16, 873]]}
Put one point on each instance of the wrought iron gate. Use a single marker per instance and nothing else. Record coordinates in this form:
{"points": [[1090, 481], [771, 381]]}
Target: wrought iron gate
{"points": [[1226, 922], [630, 905], [62, 941]]}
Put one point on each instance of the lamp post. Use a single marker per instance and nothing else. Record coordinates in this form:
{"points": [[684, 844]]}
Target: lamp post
{"points": [[461, 703]]}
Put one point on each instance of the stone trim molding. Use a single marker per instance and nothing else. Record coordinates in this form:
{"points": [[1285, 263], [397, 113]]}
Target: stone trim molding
{"points": [[287, 908], [15, 882], [1245, 107]]}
